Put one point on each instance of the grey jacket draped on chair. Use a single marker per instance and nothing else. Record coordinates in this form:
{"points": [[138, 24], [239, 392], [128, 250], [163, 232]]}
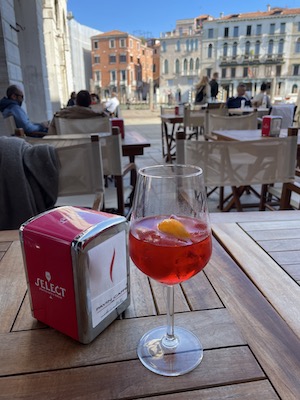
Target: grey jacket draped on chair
{"points": [[28, 180]]}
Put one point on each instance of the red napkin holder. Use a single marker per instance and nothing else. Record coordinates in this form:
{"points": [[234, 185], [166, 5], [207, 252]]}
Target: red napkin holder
{"points": [[77, 268]]}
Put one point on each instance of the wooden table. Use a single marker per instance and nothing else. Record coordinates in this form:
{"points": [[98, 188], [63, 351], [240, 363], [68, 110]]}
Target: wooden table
{"points": [[170, 124], [245, 307], [133, 143]]}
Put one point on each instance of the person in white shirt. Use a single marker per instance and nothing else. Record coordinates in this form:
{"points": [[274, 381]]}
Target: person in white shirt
{"points": [[111, 105], [262, 99]]}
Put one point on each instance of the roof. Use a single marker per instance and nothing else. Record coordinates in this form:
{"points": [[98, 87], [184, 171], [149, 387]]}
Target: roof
{"points": [[111, 34], [273, 11]]}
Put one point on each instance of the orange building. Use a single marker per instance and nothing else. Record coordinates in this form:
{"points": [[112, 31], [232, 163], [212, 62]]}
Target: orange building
{"points": [[121, 63]]}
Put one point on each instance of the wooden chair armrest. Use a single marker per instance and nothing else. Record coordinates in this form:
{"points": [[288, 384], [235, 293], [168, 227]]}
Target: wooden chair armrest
{"points": [[98, 201], [128, 168]]}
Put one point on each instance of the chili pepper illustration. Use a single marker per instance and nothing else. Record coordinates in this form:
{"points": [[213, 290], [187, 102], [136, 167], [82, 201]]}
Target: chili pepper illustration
{"points": [[112, 265]]}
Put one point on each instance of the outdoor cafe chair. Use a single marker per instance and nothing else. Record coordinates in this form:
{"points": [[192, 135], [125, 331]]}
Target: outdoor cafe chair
{"points": [[225, 122], [193, 122], [241, 164], [81, 180], [65, 126]]}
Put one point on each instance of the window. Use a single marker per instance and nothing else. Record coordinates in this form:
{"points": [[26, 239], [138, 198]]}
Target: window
{"points": [[112, 59], [295, 88], [187, 45], [166, 67], [210, 33], [297, 47], [234, 49], [138, 45], [178, 45], [97, 76], [122, 42], [282, 27], [191, 64], [258, 29], [192, 44], [225, 49], [131, 59], [208, 72], [112, 44], [197, 64], [226, 32], [268, 70], [196, 44], [296, 70], [270, 47], [247, 48], [245, 72], [255, 72], [113, 76], [232, 72], [223, 72], [96, 59], [257, 48], [185, 66], [123, 58], [177, 67], [280, 46], [154, 68], [164, 46], [96, 44], [123, 75], [272, 29], [248, 30], [278, 70], [236, 31], [209, 51], [130, 43]]}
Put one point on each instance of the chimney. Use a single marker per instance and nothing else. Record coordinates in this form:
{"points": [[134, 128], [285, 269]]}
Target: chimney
{"points": [[268, 7]]}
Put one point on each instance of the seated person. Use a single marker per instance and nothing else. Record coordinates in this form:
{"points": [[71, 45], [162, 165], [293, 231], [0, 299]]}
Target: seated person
{"points": [[112, 105], [72, 100], [262, 99], [80, 111], [11, 105], [235, 102]]}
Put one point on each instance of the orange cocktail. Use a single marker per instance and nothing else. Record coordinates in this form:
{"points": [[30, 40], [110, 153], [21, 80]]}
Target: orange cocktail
{"points": [[170, 249]]}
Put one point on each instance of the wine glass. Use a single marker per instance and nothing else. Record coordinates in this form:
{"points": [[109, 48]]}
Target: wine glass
{"points": [[170, 241]]}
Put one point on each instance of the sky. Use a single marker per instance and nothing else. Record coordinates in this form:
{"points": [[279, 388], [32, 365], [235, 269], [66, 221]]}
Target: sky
{"points": [[153, 17]]}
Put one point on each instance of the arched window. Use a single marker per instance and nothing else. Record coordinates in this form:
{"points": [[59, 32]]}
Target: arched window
{"points": [[185, 65], [225, 49], [166, 67], [270, 46], [280, 46], [247, 48], [164, 46], [295, 88], [192, 44], [196, 44], [209, 51], [234, 49], [197, 64], [178, 45], [191, 64], [177, 66], [257, 47], [187, 45], [297, 48]]}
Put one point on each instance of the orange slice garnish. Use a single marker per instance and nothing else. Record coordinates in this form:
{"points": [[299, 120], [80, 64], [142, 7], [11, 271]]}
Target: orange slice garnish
{"points": [[173, 227]]}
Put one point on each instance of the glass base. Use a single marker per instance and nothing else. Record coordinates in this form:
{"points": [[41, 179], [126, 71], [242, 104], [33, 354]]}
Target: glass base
{"points": [[170, 357]]}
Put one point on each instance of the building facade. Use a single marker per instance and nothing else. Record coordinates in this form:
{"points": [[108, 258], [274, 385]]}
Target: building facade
{"points": [[121, 63], [35, 55], [251, 47], [80, 46]]}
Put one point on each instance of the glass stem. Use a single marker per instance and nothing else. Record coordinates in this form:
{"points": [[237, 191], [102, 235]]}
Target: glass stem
{"points": [[170, 341]]}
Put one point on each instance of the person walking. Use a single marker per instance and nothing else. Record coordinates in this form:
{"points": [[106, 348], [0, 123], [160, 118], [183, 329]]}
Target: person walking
{"points": [[214, 86], [202, 91]]}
